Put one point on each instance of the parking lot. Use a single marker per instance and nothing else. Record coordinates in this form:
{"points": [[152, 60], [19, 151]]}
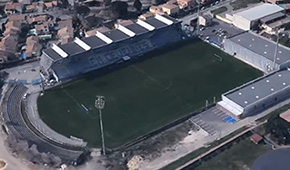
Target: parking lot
{"points": [[218, 31], [212, 121]]}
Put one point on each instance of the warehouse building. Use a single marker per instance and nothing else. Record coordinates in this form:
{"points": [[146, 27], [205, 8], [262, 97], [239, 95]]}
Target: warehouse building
{"points": [[258, 95], [258, 51], [249, 18]]}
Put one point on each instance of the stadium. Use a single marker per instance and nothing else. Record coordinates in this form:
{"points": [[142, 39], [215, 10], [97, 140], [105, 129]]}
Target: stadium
{"points": [[148, 76]]}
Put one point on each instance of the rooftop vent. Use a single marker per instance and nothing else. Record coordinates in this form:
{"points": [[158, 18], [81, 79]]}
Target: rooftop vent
{"points": [[284, 84], [266, 45], [246, 102], [272, 89], [267, 81], [240, 93], [265, 52], [257, 97], [253, 87], [279, 75], [280, 52]]}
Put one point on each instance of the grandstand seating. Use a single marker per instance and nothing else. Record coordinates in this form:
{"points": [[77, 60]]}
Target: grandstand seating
{"points": [[18, 127], [113, 53]]}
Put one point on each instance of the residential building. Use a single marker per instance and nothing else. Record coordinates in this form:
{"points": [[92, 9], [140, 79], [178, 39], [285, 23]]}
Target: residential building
{"points": [[19, 18], [11, 8], [42, 29], [156, 10], [65, 23], [205, 20], [186, 4], [65, 35], [145, 16], [170, 9]]}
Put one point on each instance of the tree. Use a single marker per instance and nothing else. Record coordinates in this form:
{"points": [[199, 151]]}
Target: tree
{"points": [[119, 9], [82, 10], [137, 5], [107, 2]]}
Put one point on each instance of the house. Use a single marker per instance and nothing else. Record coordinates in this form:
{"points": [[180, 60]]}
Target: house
{"points": [[33, 49], [9, 43], [11, 8], [48, 6], [31, 39], [205, 20], [25, 2], [65, 34], [125, 22], [12, 27], [186, 4], [156, 10], [256, 138], [145, 16], [38, 19], [42, 29], [39, 6], [170, 9], [30, 8], [65, 23], [94, 31], [54, 3], [19, 18]]}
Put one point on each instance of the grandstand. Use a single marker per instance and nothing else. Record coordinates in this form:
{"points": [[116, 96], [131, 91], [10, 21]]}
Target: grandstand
{"points": [[103, 49], [20, 131]]}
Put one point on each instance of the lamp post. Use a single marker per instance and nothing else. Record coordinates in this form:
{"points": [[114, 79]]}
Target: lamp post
{"points": [[100, 104]]}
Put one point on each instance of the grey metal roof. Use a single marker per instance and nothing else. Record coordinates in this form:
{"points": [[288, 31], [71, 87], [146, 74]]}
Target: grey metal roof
{"points": [[52, 54], [262, 46], [116, 35], [155, 22], [137, 29], [260, 11], [72, 48], [272, 17], [260, 88], [94, 42]]}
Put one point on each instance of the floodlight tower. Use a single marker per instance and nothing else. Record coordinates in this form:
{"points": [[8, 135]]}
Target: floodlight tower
{"points": [[100, 104], [198, 13], [278, 31]]}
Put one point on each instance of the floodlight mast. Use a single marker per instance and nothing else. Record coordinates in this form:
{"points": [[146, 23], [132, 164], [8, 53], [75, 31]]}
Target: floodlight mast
{"points": [[100, 104]]}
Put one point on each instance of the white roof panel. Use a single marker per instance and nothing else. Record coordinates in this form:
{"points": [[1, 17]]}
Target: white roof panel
{"points": [[260, 11]]}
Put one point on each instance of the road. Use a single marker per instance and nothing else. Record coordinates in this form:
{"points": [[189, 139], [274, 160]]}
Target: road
{"points": [[188, 18]]}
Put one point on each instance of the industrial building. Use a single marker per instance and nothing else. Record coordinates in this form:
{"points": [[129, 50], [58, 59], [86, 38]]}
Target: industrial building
{"points": [[258, 51], [258, 95], [107, 48], [249, 18]]}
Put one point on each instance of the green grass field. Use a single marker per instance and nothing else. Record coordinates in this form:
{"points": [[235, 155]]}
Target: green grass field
{"points": [[240, 156], [144, 95]]}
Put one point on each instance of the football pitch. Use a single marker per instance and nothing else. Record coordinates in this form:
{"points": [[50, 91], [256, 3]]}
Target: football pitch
{"points": [[145, 95]]}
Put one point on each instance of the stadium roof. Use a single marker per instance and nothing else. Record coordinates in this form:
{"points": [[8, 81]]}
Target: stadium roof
{"points": [[262, 46], [116, 35], [72, 48], [94, 42], [260, 11], [137, 29], [155, 22], [52, 54], [260, 88], [272, 17]]}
